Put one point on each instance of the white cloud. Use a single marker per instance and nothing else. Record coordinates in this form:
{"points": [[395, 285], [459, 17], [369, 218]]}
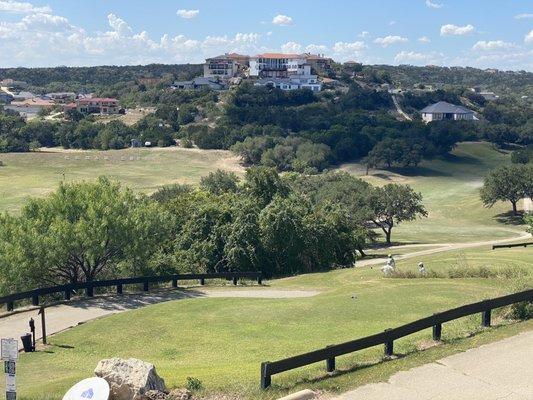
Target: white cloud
{"points": [[316, 48], [523, 16], [188, 14], [454, 30], [492, 45], [269, 33], [411, 57], [430, 4], [283, 20], [291, 47], [392, 23], [364, 34], [424, 39], [529, 37], [390, 40], [19, 7], [119, 25]]}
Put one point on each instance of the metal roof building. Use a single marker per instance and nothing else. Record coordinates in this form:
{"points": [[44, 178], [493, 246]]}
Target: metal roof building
{"points": [[446, 111]]}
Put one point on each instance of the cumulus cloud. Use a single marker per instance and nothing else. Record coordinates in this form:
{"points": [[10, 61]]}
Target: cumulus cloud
{"points": [[118, 25], [411, 57], [316, 48], [424, 39], [188, 14], [282, 20], [523, 16], [454, 30], [492, 45], [291, 47], [529, 37], [364, 34], [19, 7], [431, 4], [390, 40]]}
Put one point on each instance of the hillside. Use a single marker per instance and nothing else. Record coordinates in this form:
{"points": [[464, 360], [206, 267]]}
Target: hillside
{"points": [[450, 188], [144, 170]]}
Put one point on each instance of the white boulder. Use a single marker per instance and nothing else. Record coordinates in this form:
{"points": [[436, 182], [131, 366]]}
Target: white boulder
{"points": [[129, 379]]}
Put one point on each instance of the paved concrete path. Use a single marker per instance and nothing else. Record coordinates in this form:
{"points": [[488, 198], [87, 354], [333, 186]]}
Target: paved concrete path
{"points": [[496, 371], [67, 315]]}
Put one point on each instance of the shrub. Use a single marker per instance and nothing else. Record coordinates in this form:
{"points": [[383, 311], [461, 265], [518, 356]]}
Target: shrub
{"points": [[194, 384]]}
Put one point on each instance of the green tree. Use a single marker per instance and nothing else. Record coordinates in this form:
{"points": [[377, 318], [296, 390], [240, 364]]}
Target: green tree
{"points": [[79, 233], [392, 204], [507, 183], [219, 182]]}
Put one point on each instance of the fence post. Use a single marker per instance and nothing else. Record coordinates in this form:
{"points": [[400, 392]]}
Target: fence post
{"points": [[119, 288], [202, 281], [145, 286], [235, 280], [259, 279], [89, 290], [389, 346], [35, 300], [485, 318], [437, 331], [266, 379], [66, 295], [330, 363], [10, 305], [174, 283]]}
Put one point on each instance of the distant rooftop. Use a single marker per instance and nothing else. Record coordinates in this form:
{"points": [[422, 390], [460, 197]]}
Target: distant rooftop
{"points": [[443, 107], [280, 55]]}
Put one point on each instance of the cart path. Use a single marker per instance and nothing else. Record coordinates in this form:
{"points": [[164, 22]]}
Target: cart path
{"points": [[67, 315], [495, 371], [440, 247]]}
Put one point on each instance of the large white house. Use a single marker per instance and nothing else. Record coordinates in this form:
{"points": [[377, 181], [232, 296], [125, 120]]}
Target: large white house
{"points": [[293, 82], [445, 111], [278, 65]]}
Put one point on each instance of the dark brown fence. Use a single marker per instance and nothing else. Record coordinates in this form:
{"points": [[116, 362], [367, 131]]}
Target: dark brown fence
{"points": [[501, 246], [68, 289], [387, 337]]}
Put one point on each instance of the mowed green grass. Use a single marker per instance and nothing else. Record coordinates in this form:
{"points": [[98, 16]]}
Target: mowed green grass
{"points": [[36, 174], [223, 341], [450, 188]]}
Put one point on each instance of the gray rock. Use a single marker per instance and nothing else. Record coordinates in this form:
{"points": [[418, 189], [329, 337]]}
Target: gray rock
{"points": [[179, 394], [129, 379]]}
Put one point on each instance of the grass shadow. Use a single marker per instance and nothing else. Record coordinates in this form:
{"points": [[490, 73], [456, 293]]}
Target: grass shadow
{"points": [[419, 171]]}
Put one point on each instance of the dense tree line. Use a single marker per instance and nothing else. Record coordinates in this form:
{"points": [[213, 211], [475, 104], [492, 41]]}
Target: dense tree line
{"points": [[281, 225], [85, 132]]}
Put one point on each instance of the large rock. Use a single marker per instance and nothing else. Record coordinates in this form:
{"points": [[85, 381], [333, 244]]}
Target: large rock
{"points": [[129, 379]]}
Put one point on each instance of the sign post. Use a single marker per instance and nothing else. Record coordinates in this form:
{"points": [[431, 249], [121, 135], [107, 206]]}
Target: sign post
{"points": [[10, 353]]}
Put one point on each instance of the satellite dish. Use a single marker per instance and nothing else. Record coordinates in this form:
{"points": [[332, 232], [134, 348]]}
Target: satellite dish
{"points": [[89, 389]]}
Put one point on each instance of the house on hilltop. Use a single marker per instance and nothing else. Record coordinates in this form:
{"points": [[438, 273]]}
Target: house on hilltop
{"points": [[445, 111], [95, 105], [226, 66]]}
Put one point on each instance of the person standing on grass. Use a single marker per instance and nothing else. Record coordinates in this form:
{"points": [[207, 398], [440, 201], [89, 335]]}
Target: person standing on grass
{"points": [[391, 262], [421, 268]]}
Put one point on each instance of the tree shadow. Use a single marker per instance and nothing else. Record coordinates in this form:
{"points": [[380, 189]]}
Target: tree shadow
{"points": [[419, 171], [508, 218]]}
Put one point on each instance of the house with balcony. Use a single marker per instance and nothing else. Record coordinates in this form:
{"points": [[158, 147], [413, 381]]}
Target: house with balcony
{"points": [[226, 66], [278, 65], [292, 82], [319, 63], [96, 105]]}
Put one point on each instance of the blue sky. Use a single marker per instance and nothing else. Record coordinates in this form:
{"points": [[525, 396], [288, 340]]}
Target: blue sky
{"points": [[484, 34]]}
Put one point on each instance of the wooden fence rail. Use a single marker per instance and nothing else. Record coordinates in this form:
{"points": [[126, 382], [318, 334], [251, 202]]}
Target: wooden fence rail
{"points": [[501, 246], [388, 336], [67, 289]]}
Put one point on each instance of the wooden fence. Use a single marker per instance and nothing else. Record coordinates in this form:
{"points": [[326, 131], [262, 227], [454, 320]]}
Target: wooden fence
{"points": [[387, 337], [501, 246], [68, 289]]}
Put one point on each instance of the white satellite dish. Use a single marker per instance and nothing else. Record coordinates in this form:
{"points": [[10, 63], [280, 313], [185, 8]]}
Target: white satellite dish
{"points": [[89, 389]]}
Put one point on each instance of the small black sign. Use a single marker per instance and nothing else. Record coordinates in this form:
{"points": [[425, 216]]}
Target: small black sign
{"points": [[11, 395], [10, 367]]}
